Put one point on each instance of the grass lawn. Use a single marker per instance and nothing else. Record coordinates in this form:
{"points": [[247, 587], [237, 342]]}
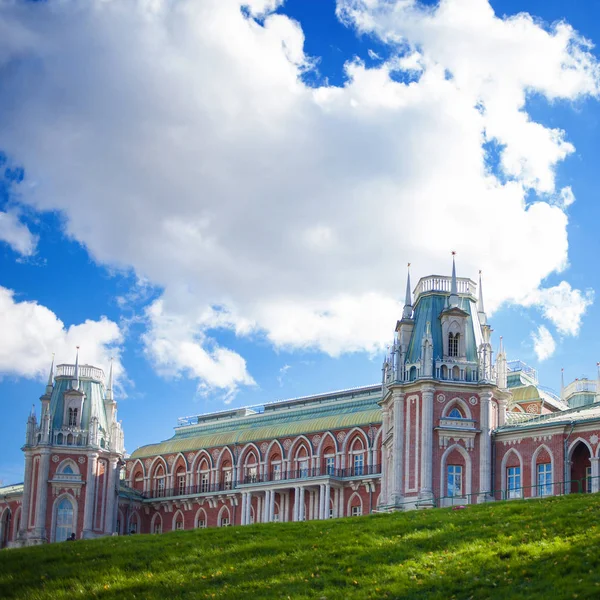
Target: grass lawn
{"points": [[519, 549]]}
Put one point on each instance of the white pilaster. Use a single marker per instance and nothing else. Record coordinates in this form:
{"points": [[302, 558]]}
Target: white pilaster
{"points": [[26, 505], [426, 491], [326, 501], [272, 506], [111, 497], [595, 474], [485, 448], [398, 455], [42, 494], [90, 488]]}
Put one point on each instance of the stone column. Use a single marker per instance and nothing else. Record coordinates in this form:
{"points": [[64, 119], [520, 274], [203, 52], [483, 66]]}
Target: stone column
{"points": [[272, 506], [295, 511], [111, 497], [426, 491], [302, 507], [26, 505], [243, 512], [501, 412], [248, 508], [321, 501], [90, 486], [595, 474], [398, 455], [326, 502], [42, 495], [384, 458], [485, 449]]}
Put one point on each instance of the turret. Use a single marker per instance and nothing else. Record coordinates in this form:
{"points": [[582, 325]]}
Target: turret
{"points": [[427, 352], [31, 428]]}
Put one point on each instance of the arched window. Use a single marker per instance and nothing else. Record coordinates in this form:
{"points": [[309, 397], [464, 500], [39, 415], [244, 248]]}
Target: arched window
{"points": [[64, 520], [227, 475], [159, 482], [138, 481], [455, 414], [204, 477], [357, 457], [453, 339]]}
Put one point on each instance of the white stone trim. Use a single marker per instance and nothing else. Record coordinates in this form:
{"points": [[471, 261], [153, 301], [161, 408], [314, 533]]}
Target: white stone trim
{"points": [[55, 504], [503, 468], [349, 504], [534, 483], [468, 472]]}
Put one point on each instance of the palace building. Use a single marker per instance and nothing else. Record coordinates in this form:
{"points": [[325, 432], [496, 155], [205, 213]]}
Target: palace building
{"points": [[452, 422]]}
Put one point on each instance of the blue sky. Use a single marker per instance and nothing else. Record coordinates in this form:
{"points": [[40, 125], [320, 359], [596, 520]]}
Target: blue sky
{"points": [[229, 211]]}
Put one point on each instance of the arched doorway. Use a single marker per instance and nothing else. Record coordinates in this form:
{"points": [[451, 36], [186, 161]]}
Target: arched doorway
{"points": [[581, 468], [5, 528]]}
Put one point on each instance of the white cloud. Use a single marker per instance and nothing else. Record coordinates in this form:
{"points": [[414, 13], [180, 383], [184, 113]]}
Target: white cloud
{"points": [[179, 139], [31, 333], [562, 305], [543, 343], [178, 348], [16, 234]]}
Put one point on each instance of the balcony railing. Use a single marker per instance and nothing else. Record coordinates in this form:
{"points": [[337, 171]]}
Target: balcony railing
{"points": [[270, 477], [85, 372]]}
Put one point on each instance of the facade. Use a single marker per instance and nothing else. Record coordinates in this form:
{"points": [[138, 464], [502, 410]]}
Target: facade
{"points": [[451, 422]]}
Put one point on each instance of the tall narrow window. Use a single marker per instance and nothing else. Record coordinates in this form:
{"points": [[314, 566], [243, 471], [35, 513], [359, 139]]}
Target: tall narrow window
{"points": [[513, 480], [453, 344], [72, 417], [455, 486], [359, 464], [330, 465], [204, 481], [64, 520], [181, 483], [160, 487], [303, 468], [544, 479], [356, 511], [251, 474], [276, 471], [227, 479]]}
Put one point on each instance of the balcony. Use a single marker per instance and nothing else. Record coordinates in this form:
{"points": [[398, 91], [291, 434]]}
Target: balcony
{"points": [[271, 477], [439, 283]]}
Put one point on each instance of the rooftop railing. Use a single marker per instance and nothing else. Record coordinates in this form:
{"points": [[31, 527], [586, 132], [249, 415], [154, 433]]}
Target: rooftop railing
{"points": [[439, 283], [581, 385], [85, 372]]}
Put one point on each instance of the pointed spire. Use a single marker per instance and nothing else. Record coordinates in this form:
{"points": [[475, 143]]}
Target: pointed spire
{"points": [[501, 348], [407, 312], [562, 384], [109, 387], [32, 413], [76, 384], [453, 287], [49, 385]]}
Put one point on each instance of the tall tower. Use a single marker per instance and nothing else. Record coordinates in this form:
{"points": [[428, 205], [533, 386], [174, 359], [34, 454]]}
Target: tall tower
{"points": [[442, 399], [72, 458]]}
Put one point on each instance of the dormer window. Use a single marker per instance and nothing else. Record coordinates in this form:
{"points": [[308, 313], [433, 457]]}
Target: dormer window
{"points": [[453, 339]]}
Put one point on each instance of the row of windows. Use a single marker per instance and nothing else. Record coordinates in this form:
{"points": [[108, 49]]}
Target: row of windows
{"points": [[454, 480]]}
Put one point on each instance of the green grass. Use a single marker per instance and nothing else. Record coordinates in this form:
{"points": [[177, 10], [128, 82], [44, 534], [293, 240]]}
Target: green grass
{"points": [[520, 549]]}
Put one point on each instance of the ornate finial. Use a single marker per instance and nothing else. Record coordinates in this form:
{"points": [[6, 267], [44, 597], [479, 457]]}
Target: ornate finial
{"points": [[453, 252], [453, 287], [109, 387], [76, 384]]}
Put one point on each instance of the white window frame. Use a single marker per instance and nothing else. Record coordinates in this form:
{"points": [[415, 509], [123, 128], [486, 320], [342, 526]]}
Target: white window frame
{"points": [[454, 481], [513, 482], [544, 479]]}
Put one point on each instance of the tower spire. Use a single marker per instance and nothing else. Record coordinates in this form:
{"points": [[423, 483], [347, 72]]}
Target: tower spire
{"points": [[49, 385], [480, 307], [109, 387], [407, 312], [453, 286], [562, 384], [76, 384]]}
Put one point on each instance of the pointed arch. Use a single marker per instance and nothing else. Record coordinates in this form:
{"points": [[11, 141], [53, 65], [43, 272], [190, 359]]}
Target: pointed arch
{"points": [[468, 470], [68, 467], [249, 447], [178, 459], [277, 443], [200, 520], [300, 441], [325, 437], [201, 455], [178, 522], [224, 517], [225, 451], [158, 477], [274, 467], [352, 434], [6, 518], [574, 444], [355, 500], [138, 466], [462, 406], [64, 518], [535, 485], [158, 459], [156, 523], [518, 493]]}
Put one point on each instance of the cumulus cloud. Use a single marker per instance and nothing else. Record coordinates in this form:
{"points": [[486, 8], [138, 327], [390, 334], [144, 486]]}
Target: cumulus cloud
{"points": [[562, 305], [543, 343], [16, 234], [31, 333], [179, 139]]}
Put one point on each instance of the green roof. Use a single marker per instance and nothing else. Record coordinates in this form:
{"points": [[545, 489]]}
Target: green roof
{"points": [[340, 413], [428, 308]]}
